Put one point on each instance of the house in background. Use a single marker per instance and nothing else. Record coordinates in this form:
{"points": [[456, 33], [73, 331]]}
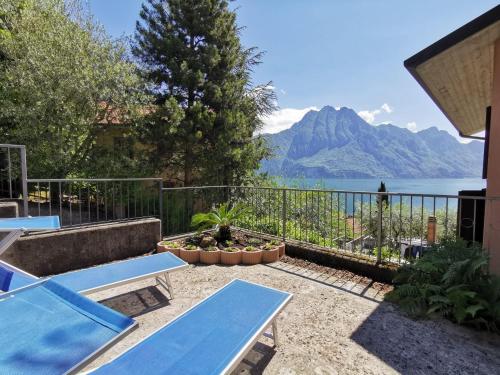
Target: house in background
{"points": [[461, 73]]}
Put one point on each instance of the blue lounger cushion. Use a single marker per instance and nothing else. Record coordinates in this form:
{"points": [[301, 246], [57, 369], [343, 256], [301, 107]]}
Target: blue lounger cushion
{"points": [[106, 275], [30, 223], [207, 338], [48, 329], [5, 278]]}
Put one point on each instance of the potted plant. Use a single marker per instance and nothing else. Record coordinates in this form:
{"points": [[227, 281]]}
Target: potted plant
{"points": [[281, 246], [230, 256], [210, 255], [251, 255], [190, 253], [221, 218], [270, 253], [170, 246]]}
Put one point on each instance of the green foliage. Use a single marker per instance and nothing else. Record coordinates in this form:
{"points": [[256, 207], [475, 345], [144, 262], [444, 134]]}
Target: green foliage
{"points": [[171, 244], [211, 248], [61, 75], [208, 111], [250, 248], [231, 249], [221, 218], [451, 280], [190, 247]]}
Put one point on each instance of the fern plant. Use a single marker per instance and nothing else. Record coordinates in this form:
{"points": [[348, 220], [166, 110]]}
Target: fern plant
{"points": [[221, 218], [451, 280]]}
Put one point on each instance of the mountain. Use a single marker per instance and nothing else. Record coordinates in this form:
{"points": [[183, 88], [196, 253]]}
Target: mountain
{"points": [[339, 143]]}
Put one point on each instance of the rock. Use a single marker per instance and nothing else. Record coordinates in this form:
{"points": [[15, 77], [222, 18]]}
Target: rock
{"points": [[208, 241]]}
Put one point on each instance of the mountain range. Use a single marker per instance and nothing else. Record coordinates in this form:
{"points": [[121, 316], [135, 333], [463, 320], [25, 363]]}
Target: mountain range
{"points": [[338, 143]]}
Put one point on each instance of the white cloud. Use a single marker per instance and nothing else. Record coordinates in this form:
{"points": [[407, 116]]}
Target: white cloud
{"points": [[386, 108], [412, 126], [283, 119], [369, 116], [283, 91]]}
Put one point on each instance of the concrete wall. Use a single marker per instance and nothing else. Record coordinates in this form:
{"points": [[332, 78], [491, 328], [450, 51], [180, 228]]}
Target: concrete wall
{"points": [[8, 209], [50, 253]]}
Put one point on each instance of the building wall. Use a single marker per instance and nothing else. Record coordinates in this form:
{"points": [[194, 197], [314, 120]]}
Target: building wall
{"points": [[492, 215]]}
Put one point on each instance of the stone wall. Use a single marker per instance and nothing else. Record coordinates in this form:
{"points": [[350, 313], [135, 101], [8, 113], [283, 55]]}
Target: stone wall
{"points": [[8, 210], [48, 253]]}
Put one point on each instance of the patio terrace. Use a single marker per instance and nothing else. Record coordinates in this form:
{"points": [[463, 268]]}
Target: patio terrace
{"points": [[335, 324]]}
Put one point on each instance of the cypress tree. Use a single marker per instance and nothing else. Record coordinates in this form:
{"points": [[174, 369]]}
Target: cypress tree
{"points": [[207, 111]]}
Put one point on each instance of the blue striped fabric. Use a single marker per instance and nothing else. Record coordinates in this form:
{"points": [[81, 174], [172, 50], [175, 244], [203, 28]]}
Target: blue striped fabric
{"points": [[205, 339], [48, 329]]}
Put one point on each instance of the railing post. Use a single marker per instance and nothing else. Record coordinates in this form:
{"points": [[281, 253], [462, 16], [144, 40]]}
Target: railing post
{"points": [[24, 180], [379, 229], [283, 214], [160, 206]]}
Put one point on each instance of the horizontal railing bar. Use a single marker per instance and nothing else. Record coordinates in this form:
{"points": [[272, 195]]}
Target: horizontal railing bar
{"points": [[5, 145], [34, 180], [420, 195]]}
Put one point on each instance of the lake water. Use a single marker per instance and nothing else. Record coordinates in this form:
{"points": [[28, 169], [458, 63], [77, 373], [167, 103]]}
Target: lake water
{"points": [[445, 186]]}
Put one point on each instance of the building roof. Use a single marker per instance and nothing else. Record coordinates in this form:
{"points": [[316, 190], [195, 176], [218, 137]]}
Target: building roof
{"points": [[457, 71]]}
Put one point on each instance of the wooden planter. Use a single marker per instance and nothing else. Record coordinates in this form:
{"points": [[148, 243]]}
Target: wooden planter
{"points": [[190, 256], [210, 257], [230, 258], [163, 249], [251, 257], [269, 256], [281, 249]]}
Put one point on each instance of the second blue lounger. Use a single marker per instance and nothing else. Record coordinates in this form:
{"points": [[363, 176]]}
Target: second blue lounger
{"points": [[210, 338], [109, 275]]}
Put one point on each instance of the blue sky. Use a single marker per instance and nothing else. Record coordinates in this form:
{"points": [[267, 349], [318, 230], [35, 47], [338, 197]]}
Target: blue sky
{"points": [[336, 52]]}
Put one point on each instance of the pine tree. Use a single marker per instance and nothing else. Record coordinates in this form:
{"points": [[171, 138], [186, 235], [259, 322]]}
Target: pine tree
{"points": [[202, 129]]}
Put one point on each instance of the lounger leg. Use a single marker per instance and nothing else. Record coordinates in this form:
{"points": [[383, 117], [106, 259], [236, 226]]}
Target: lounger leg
{"points": [[165, 282], [169, 284], [275, 332]]}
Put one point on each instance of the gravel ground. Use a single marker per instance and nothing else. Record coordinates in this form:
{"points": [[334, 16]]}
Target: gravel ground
{"points": [[335, 324]]}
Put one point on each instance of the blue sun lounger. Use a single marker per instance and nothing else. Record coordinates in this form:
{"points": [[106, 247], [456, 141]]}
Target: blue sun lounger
{"points": [[48, 329], [210, 338], [17, 226], [110, 275]]}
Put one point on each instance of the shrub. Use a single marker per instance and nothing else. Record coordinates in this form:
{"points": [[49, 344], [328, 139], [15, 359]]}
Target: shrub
{"points": [[231, 249], [171, 244], [221, 218], [250, 248], [190, 247], [451, 280], [211, 248]]}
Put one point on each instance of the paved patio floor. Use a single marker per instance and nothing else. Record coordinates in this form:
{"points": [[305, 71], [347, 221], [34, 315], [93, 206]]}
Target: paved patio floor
{"points": [[335, 324]]}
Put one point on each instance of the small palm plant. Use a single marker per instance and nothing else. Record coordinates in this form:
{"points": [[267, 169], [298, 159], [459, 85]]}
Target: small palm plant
{"points": [[221, 218]]}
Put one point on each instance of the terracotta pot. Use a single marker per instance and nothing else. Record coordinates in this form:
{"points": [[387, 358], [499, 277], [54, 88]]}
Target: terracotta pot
{"points": [[281, 249], [251, 257], [210, 257], [230, 258], [163, 249], [190, 256], [269, 256]]}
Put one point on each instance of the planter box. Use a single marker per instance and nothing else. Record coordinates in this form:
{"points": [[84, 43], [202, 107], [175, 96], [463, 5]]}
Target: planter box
{"points": [[251, 257], [164, 248], [281, 248], [270, 256], [190, 256], [210, 257], [230, 258]]}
